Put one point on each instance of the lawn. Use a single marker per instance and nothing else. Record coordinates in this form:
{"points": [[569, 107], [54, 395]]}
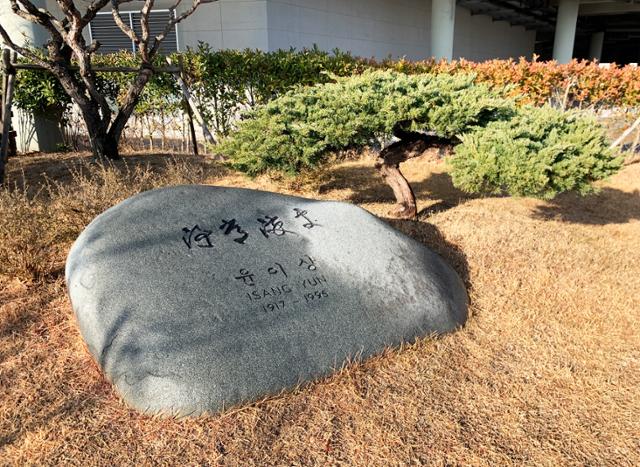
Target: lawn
{"points": [[545, 372]]}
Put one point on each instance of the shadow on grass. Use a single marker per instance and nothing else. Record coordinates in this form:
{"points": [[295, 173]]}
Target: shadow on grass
{"points": [[72, 404], [367, 186], [25, 337], [609, 206]]}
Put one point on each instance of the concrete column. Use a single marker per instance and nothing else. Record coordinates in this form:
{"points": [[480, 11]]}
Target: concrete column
{"points": [[443, 14], [595, 47], [565, 30], [41, 133]]}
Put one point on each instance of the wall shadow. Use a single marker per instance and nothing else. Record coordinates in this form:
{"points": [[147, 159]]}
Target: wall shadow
{"points": [[609, 206]]}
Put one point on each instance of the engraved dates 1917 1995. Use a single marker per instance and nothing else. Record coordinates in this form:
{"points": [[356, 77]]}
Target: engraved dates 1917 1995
{"points": [[299, 286]]}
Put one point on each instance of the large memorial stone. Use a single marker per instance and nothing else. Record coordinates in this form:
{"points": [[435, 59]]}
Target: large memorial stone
{"points": [[193, 299]]}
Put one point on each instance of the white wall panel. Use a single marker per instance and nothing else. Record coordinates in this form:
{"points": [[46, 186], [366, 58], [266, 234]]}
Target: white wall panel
{"points": [[480, 38], [227, 24], [370, 28], [377, 28]]}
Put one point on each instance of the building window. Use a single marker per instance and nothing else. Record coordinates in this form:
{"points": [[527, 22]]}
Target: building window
{"points": [[105, 30]]}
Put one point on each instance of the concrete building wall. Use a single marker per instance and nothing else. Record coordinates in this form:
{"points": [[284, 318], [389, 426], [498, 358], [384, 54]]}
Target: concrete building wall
{"points": [[226, 24], [480, 38], [20, 30], [368, 28]]}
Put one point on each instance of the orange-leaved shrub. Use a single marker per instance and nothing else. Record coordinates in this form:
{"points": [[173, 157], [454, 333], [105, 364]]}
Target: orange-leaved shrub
{"points": [[577, 83]]}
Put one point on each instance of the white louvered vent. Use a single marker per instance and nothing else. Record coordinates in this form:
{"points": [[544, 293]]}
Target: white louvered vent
{"points": [[105, 30]]}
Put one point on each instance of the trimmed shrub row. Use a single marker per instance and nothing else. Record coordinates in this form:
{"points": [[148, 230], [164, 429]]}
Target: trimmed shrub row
{"points": [[227, 82]]}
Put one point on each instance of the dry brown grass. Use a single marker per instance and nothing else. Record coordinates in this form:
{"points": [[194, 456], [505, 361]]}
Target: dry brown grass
{"points": [[546, 371]]}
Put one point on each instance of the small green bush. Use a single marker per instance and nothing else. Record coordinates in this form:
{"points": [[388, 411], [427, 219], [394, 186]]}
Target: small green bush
{"points": [[39, 93], [224, 82], [520, 150], [539, 152]]}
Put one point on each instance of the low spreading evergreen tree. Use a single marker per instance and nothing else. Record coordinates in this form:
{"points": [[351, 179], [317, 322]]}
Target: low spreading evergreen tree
{"points": [[299, 130], [499, 146], [539, 152]]}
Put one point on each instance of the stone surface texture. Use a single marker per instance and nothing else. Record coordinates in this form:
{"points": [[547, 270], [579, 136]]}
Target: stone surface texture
{"points": [[193, 299]]}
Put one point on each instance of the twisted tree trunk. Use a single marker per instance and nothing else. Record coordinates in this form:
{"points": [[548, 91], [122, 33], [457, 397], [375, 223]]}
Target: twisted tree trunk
{"points": [[411, 145]]}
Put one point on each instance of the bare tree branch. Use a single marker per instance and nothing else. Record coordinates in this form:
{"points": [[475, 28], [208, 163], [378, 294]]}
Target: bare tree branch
{"points": [[58, 67], [115, 10], [25, 52], [69, 9], [41, 15], [67, 44], [93, 47], [74, 18], [171, 24], [144, 24], [82, 53], [27, 10], [93, 10]]}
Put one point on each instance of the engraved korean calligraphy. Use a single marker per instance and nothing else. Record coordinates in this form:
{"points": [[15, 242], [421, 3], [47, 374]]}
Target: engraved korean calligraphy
{"points": [[197, 236], [303, 213], [272, 225], [229, 226]]}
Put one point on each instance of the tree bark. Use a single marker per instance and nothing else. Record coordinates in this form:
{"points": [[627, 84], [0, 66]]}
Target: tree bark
{"points": [[388, 164], [8, 79], [129, 104], [104, 147], [104, 138], [103, 144]]}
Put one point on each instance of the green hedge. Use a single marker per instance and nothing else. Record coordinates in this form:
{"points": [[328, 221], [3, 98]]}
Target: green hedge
{"points": [[223, 83], [227, 82], [538, 152]]}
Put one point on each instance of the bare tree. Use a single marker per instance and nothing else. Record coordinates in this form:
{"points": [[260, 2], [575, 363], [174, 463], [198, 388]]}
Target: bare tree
{"points": [[67, 49]]}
